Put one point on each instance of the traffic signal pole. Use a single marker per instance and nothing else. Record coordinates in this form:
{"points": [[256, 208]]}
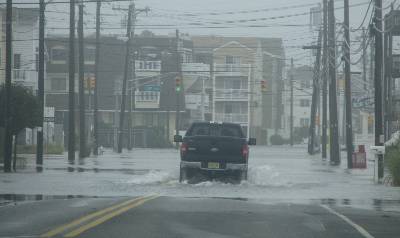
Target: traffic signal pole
{"points": [[71, 94], [178, 87], [291, 101], [347, 91], [315, 98], [39, 135], [124, 82], [7, 109], [333, 122], [96, 76], [378, 82], [325, 77], [82, 128]]}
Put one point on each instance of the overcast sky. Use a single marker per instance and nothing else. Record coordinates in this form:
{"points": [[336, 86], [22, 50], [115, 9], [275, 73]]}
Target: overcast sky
{"points": [[207, 17]]}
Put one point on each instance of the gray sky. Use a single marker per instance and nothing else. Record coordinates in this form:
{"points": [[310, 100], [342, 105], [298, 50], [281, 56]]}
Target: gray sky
{"points": [[167, 15]]}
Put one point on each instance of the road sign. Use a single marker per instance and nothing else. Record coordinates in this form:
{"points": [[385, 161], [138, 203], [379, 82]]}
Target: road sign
{"points": [[154, 88], [48, 119]]}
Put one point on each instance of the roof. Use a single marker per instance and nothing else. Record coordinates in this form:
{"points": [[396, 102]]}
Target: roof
{"points": [[209, 43]]}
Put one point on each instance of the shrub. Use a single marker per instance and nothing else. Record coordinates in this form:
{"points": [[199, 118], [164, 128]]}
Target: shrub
{"points": [[392, 157], [47, 149]]}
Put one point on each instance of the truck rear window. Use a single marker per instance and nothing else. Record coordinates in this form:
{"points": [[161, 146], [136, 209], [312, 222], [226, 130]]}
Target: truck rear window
{"points": [[215, 130]]}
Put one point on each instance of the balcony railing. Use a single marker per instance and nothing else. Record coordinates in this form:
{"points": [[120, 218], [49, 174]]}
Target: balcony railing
{"points": [[231, 94], [147, 99], [19, 74], [232, 69], [232, 117]]}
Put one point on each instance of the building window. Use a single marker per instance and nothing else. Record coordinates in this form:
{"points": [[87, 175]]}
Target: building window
{"points": [[17, 61], [304, 103], [304, 122], [90, 55], [58, 84], [58, 55], [229, 59]]}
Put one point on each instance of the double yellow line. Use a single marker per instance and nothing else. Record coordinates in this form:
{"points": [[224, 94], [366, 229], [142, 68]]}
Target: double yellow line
{"points": [[87, 222]]}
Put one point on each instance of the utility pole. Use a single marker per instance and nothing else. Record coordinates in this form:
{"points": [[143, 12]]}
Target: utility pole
{"points": [[132, 89], [325, 77], [82, 128], [71, 113], [126, 73], [333, 122], [39, 135], [96, 77], [178, 92], [291, 101], [315, 97], [364, 58], [7, 110], [347, 91], [378, 82]]}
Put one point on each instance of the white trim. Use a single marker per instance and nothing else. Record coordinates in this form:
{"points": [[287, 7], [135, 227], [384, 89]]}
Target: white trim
{"points": [[233, 42]]}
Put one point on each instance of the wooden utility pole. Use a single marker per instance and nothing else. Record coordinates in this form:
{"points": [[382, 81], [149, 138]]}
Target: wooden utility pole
{"points": [[132, 89], [71, 96], [39, 135], [377, 24], [291, 101], [7, 109], [364, 59], [325, 77], [347, 91], [96, 77], [82, 128], [315, 97], [178, 92], [126, 74], [333, 122]]}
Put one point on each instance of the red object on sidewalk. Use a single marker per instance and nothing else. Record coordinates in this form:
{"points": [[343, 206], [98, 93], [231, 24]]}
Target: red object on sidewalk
{"points": [[360, 158]]}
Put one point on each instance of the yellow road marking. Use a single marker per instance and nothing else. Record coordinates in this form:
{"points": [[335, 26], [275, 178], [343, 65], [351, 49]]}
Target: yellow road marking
{"points": [[107, 217], [86, 218]]}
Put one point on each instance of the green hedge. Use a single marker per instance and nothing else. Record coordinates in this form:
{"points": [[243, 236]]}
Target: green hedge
{"points": [[47, 149], [392, 157]]}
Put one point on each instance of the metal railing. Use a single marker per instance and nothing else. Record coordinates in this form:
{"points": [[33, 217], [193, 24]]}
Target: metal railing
{"points": [[232, 94], [232, 117], [19, 74]]}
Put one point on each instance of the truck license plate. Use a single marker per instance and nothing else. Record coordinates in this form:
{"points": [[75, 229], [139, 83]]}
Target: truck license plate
{"points": [[213, 165]]}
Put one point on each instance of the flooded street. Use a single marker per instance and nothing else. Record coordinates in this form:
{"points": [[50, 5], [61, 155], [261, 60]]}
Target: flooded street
{"points": [[273, 178]]}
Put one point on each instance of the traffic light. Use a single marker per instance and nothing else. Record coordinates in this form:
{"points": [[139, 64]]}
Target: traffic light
{"points": [[92, 82], [263, 86], [178, 84]]}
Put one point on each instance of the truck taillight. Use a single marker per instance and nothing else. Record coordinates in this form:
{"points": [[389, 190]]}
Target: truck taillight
{"points": [[184, 149], [245, 151]]}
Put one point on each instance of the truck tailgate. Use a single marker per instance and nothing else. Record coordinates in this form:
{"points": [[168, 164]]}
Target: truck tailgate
{"points": [[215, 148]]}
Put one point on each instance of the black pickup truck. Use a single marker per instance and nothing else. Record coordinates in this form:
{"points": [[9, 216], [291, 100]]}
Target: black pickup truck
{"points": [[214, 150]]}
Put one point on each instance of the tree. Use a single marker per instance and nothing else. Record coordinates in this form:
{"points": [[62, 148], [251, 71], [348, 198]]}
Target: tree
{"points": [[25, 112]]}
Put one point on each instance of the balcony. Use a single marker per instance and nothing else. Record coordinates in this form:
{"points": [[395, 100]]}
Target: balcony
{"points": [[19, 75], [232, 69], [147, 68], [232, 117], [147, 99], [231, 94]]}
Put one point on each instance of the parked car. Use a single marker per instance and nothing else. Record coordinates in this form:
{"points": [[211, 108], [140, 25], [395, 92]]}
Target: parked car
{"points": [[214, 150]]}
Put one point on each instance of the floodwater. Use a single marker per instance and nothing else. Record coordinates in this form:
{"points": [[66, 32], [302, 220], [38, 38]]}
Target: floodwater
{"points": [[276, 174]]}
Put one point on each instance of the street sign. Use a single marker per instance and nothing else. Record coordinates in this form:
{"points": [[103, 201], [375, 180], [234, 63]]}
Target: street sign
{"points": [[154, 88], [48, 119]]}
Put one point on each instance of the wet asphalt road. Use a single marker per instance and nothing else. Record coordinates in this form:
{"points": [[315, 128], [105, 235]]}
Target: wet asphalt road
{"points": [[190, 217]]}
